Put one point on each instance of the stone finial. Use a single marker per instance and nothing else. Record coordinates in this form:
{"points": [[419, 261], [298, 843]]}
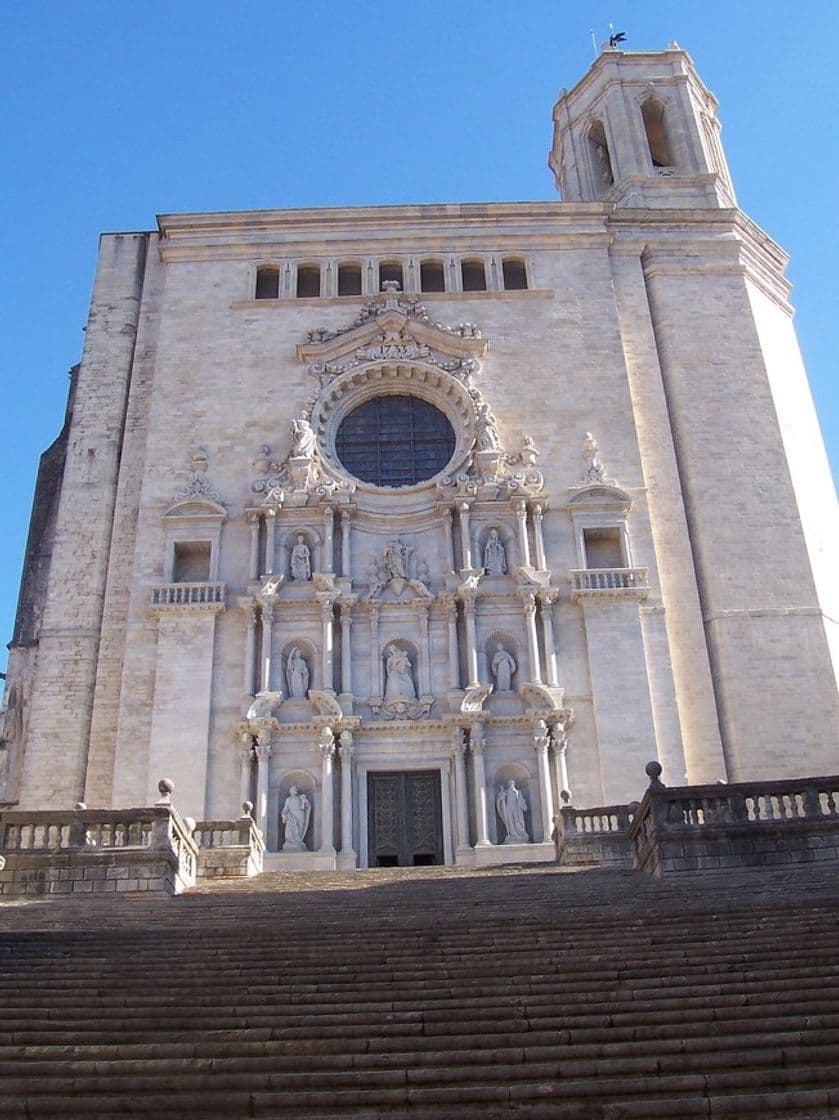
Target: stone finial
{"points": [[653, 772], [190, 823], [247, 808], [565, 794], [166, 788], [80, 806], [592, 464]]}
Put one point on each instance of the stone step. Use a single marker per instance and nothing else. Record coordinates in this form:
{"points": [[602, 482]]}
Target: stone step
{"points": [[743, 1093]]}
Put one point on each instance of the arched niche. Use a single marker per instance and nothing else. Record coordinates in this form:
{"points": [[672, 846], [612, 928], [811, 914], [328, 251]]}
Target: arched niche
{"points": [[600, 162], [526, 783], [654, 116], [507, 538], [307, 784], [309, 653], [397, 676], [312, 540], [510, 645]]}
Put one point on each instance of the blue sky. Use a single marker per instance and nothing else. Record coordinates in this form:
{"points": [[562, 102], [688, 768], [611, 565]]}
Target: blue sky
{"points": [[115, 111]]}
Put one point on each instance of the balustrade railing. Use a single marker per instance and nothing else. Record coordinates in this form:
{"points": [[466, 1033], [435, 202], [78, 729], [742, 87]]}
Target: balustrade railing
{"points": [[603, 819], [675, 827], [608, 580], [228, 834], [188, 594]]}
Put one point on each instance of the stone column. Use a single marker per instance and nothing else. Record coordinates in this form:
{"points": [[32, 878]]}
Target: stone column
{"points": [[537, 513], [546, 602], [328, 638], [529, 603], [461, 804], [246, 762], [471, 639], [253, 561], [347, 752], [465, 538], [520, 510], [250, 648], [425, 651], [267, 624], [270, 539], [346, 647], [376, 667], [447, 530], [263, 754], [477, 743], [450, 604], [328, 538], [540, 741], [346, 519], [559, 742], [327, 825]]}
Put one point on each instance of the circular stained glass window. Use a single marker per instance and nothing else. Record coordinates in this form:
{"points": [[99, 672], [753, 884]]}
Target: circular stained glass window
{"points": [[395, 441]]}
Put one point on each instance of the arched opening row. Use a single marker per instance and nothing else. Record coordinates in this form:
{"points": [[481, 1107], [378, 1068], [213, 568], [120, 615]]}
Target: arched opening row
{"points": [[312, 280]]}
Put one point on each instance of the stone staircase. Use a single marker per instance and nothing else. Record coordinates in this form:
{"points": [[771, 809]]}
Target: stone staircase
{"points": [[429, 993]]}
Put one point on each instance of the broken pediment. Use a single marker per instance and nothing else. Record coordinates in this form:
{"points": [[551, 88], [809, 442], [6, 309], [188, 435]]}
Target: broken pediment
{"points": [[392, 328]]}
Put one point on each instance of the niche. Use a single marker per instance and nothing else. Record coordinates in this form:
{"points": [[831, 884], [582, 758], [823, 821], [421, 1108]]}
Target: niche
{"points": [[297, 660], [601, 163], [504, 802], [400, 658], [652, 111]]}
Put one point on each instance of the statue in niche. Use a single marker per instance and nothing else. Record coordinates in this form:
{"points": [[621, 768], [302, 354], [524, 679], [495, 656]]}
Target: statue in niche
{"points": [[512, 806], [592, 466], [495, 555], [503, 666], [302, 439], [487, 429], [400, 679], [395, 559], [301, 560], [295, 817], [297, 674]]}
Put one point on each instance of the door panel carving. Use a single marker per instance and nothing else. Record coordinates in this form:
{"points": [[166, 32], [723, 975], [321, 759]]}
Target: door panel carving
{"points": [[405, 819]]}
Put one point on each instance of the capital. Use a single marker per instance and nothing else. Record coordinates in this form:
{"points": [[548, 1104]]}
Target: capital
{"points": [[263, 752]]}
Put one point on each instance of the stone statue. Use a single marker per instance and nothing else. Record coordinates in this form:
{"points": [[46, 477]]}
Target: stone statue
{"points": [[395, 560], [302, 439], [503, 667], [301, 560], [400, 679], [297, 674], [592, 467], [487, 433], [511, 807], [495, 555], [295, 817]]}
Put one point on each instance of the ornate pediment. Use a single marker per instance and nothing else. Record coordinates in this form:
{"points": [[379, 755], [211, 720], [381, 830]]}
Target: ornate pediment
{"points": [[392, 328]]}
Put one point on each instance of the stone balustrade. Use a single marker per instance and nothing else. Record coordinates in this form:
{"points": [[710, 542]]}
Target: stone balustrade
{"points": [[229, 849], [188, 595], [586, 837], [744, 825], [82, 851], [609, 581]]}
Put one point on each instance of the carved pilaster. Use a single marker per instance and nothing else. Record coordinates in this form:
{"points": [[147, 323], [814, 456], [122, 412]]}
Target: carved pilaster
{"points": [[546, 602], [461, 802], [463, 509], [540, 742], [250, 646], [345, 609], [450, 607], [253, 520], [376, 666], [537, 511], [327, 620], [267, 605], [327, 753], [346, 530], [328, 539], [263, 755], [520, 511], [559, 743], [270, 539], [469, 598], [347, 753], [528, 599], [477, 745], [425, 650]]}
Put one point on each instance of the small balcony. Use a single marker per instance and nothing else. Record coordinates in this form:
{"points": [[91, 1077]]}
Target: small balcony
{"points": [[605, 582], [194, 596]]}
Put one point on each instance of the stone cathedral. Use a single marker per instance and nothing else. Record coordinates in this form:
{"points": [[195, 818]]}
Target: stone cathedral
{"points": [[408, 523]]}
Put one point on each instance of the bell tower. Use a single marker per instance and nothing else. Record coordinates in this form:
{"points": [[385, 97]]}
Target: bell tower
{"points": [[640, 130]]}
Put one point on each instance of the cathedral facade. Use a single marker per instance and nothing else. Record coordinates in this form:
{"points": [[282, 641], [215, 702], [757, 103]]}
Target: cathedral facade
{"points": [[407, 523]]}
